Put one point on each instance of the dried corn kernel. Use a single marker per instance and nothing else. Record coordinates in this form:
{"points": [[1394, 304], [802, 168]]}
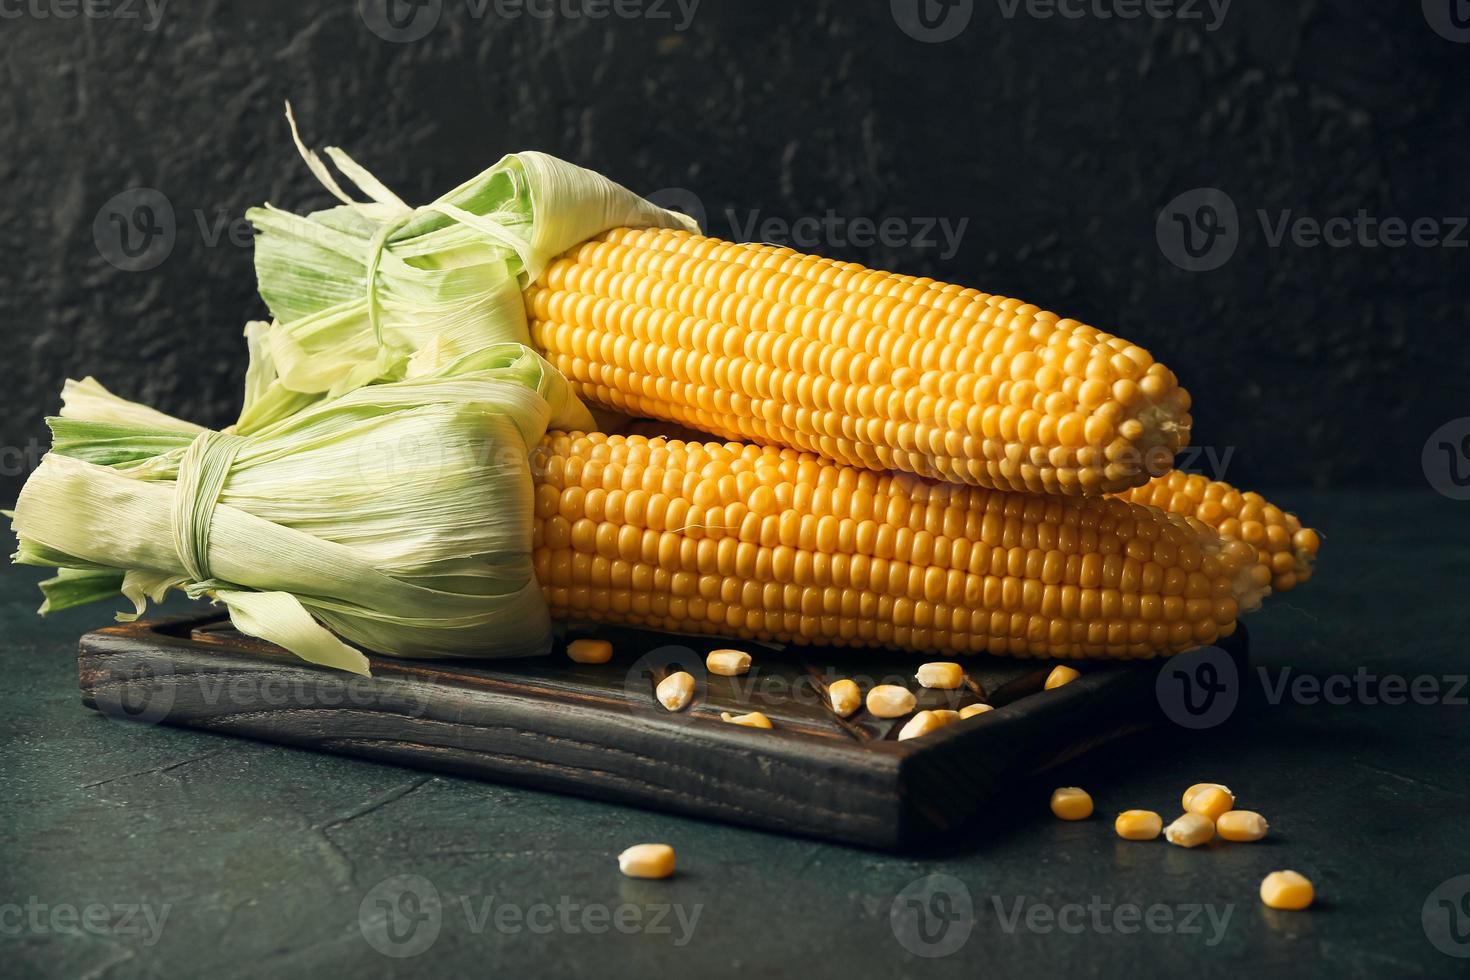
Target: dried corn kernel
{"points": [[1138, 824], [971, 710], [1190, 830], [1287, 890], [647, 861], [754, 719], [1211, 802], [1071, 803], [925, 722], [1241, 825], [1189, 793], [943, 676], [727, 663], [590, 651], [1060, 675], [844, 697], [890, 701], [675, 691]]}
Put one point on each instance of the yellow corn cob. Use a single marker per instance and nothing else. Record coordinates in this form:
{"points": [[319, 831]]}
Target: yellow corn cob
{"points": [[776, 545], [1281, 542], [870, 369]]}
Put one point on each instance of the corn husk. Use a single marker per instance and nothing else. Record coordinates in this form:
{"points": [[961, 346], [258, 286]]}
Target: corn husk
{"points": [[395, 517]]}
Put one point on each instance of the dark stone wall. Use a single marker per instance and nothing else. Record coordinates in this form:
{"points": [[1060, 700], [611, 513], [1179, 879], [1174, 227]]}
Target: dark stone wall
{"points": [[1058, 140]]}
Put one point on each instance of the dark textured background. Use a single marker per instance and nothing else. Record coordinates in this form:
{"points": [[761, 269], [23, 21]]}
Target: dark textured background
{"points": [[1060, 140]]}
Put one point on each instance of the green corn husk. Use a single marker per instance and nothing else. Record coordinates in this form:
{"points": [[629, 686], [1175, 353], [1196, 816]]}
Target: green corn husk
{"points": [[396, 517]]}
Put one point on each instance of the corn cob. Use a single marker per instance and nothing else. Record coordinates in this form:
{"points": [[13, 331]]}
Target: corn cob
{"points": [[777, 545], [1281, 542], [869, 369]]}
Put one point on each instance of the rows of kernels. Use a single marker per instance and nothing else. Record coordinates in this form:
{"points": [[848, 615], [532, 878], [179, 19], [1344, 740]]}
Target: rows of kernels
{"points": [[1283, 545], [867, 368], [772, 544]]}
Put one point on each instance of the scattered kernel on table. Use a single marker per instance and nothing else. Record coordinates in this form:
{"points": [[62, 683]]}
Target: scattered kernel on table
{"points": [[1189, 793], [844, 697], [647, 861], [971, 710], [1211, 802], [1071, 803], [1241, 825], [941, 676], [1138, 825], [590, 651], [1287, 890], [675, 691], [922, 724], [727, 663], [1190, 830], [1060, 675], [754, 719], [890, 701]]}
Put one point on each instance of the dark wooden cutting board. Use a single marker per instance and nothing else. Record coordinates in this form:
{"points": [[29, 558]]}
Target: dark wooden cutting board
{"points": [[597, 730]]}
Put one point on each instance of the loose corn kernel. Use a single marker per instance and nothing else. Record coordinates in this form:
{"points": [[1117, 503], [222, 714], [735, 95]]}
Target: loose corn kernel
{"points": [[844, 697], [1071, 803], [1138, 824], [647, 861], [1060, 675], [971, 710], [754, 719], [1197, 787], [727, 663], [927, 721], [1287, 890], [590, 651], [1190, 830], [1241, 825], [1211, 802], [890, 701], [675, 691], [942, 676]]}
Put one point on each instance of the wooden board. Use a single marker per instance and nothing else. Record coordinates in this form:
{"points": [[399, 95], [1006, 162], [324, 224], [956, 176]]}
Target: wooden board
{"points": [[597, 730]]}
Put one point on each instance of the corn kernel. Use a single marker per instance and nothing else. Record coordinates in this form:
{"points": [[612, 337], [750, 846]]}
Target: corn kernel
{"points": [[971, 710], [927, 721], [1060, 675], [844, 697], [943, 676], [647, 861], [1071, 803], [590, 651], [1241, 825], [727, 663], [1190, 830], [1189, 793], [754, 719], [1287, 890], [1138, 824], [890, 701], [1211, 802], [675, 691]]}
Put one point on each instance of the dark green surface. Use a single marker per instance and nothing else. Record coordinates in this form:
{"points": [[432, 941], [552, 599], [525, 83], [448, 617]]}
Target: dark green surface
{"points": [[262, 856]]}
